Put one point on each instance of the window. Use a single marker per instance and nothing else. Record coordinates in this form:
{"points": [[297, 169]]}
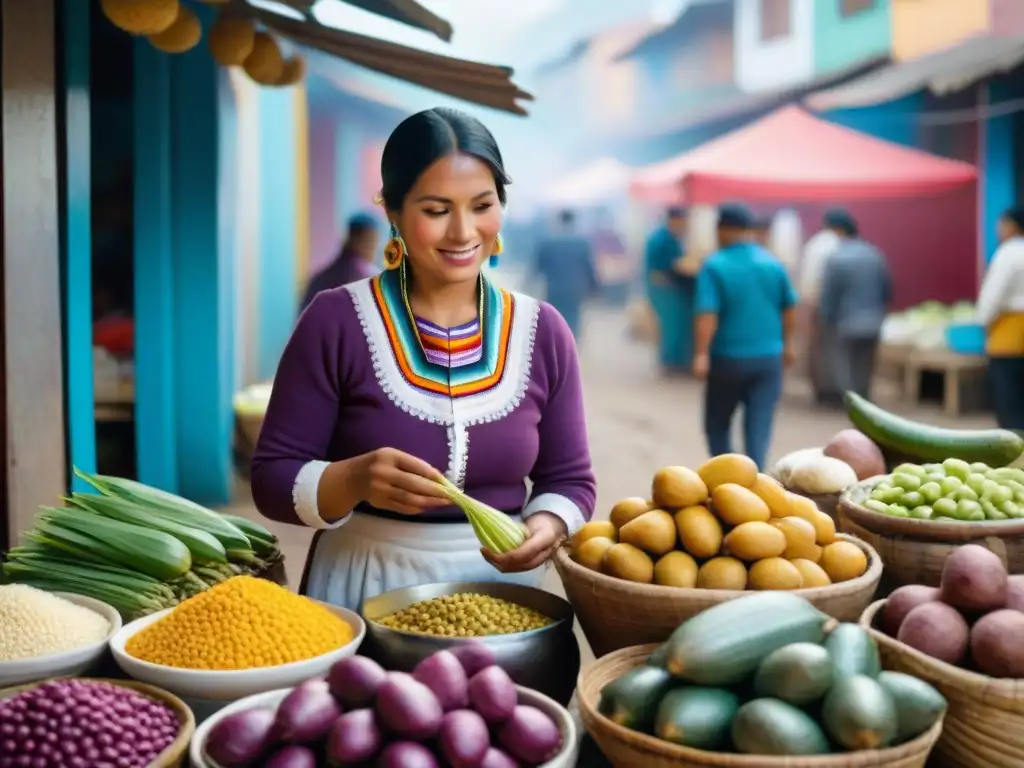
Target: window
{"points": [[775, 19], [853, 7]]}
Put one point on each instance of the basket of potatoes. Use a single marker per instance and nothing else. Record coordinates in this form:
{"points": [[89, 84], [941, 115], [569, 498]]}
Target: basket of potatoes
{"points": [[704, 537]]}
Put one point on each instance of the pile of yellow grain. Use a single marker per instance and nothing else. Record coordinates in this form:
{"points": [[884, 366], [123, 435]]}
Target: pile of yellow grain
{"points": [[241, 623]]}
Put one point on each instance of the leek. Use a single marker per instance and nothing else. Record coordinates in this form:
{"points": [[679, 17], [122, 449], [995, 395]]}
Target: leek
{"points": [[155, 553], [494, 529], [204, 547], [170, 506]]}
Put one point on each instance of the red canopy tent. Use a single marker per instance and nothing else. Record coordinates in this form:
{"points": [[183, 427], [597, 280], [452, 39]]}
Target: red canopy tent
{"points": [[794, 156], [919, 208]]}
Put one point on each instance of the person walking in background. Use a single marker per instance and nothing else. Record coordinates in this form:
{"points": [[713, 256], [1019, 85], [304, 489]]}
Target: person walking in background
{"points": [[762, 231], [744, 333], [353, 262], [821, 245], [856, 291], [564, 262], [1001, 311], [670, 291]]}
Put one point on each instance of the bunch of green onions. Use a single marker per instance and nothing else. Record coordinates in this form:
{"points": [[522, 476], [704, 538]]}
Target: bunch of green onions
{"points": [[136, 548], [495, 530]]}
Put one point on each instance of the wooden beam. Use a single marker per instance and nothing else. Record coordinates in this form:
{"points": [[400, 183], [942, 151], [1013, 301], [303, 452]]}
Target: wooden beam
{"points": [[33, 406]]}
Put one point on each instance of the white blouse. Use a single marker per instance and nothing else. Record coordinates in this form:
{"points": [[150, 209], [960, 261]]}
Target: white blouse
{"points": [[1002, 290]]}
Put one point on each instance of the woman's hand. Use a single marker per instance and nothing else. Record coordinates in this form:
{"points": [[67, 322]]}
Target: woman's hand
{"points": [[546, 534], [397, 481]]}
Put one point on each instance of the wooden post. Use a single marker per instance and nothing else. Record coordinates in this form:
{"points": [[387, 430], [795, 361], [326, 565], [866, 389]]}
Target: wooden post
{"points": [[32, 405]]}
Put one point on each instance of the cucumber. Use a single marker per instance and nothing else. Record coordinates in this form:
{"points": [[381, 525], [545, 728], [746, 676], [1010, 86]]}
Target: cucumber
{"points": [[632, 700], [696, 717], [773, 727], [658, 657], [853, 652], [799, 674], [994, 447], [918, 704], [858, 713], [725, 644]]}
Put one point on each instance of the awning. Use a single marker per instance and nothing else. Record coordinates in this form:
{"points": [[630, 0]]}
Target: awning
{"points": [[599, 182], [944, 71], [484, 84], [793, 156]]}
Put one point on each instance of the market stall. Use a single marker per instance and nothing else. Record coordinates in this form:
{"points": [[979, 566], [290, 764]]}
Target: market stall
{"points": [[733, 614], [941, 339], [918, 208]]}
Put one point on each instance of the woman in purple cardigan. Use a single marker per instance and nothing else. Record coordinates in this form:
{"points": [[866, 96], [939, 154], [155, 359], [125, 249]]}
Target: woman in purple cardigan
{"points": [[427, 365]]}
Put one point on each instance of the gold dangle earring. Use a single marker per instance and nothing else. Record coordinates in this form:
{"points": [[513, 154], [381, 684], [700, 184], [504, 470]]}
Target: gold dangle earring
{"points": [[394, 250], [499, 248]]}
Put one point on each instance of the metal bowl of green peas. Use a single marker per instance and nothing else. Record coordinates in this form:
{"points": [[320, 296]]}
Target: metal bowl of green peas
{"points": [[954, 500]]}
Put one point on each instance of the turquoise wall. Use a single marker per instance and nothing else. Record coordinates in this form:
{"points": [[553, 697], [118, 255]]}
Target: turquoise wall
{"points": [[998, 166], [895, 121], [184, 273], [278, 225], [77, 243], [845, 41]]}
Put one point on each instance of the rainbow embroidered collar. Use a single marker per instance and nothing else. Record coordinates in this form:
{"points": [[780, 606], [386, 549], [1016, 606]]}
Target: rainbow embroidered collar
{"points": [[454, 362]]}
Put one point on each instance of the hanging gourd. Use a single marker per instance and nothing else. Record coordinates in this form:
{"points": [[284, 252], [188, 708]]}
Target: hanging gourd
{"points": [[265, 64], [141, 17], [231, 40], [183, 35], [294, 71]]}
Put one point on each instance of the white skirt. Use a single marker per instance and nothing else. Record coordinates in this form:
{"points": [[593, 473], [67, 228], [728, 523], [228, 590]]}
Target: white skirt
{"points": [[370, 555]]}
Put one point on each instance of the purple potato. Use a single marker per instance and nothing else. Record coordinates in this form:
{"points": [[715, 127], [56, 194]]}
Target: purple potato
{"points": [[240, 739], [407, 754], [474, 656], [530, 736], [354, 681], [355, 738], [294, 756], [493, 694], [443, 674], [408, 708], [1015, 593], [306, 714], [464, 738], [495, 758]]}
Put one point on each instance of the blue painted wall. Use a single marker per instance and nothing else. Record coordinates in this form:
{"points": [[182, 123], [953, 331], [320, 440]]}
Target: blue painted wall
{"points": [[77, 245], [350, 138], [998, 165], [895, 121], [845, 41], [278, 225], [184, 274], [155, 405]]}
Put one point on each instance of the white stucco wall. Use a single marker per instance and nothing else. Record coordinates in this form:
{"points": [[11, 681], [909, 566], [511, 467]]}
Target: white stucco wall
{"points": [[782, 62]]}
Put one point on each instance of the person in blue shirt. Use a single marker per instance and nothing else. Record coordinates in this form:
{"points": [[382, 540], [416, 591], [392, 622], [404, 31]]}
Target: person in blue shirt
{"points": [[565, 263], [670, 292], [744, 335]]}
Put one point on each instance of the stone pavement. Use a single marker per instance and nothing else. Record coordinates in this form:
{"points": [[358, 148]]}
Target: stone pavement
{"points": [[638, 422]]}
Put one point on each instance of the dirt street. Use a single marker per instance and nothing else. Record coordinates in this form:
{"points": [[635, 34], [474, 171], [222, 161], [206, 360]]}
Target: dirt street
{"points": [[638, 423]]}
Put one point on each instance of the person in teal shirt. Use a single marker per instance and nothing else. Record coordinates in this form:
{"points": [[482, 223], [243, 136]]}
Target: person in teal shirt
{"points": [[744, 335], [670, 293]]}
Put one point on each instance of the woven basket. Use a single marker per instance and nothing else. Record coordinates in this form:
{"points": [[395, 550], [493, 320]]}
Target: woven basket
{"points": [[616, 614], [985, 722], [629, 749], [914, 551], [175, 756]]}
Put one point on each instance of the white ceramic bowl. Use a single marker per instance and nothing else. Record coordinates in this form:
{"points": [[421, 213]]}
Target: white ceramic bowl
{"points": [[212, 685], [564, 759], [66, 663]]}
